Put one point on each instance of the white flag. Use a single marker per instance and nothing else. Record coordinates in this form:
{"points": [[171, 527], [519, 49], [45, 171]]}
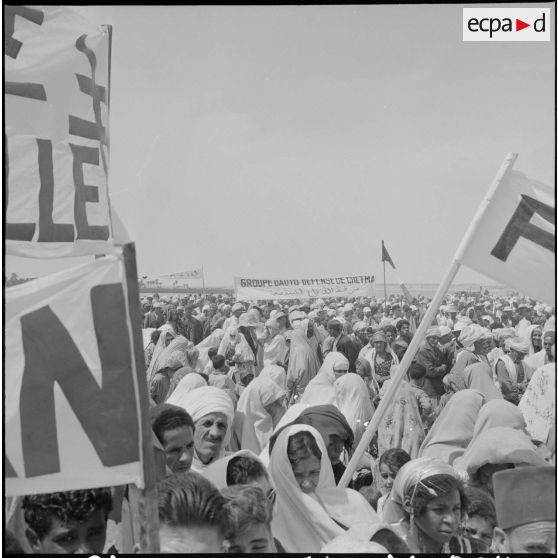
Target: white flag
{"points": [[515, 240]]}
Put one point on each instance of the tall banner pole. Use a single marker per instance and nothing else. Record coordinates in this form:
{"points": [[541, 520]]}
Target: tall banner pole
{"points": [[146, 498], [424, 325]]}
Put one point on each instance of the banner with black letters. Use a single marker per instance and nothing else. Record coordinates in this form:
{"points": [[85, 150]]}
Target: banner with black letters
{"points": [[515, 240], [73, 380], [347, 286], [56, 95]]}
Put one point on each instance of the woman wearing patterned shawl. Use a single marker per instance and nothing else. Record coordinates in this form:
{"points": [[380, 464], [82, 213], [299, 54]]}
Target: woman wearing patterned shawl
{"points": [[402, 425], [538, 403]]}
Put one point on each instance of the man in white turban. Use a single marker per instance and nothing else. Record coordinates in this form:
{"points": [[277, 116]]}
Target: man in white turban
{"points": [[212, 411], [510, 372]]}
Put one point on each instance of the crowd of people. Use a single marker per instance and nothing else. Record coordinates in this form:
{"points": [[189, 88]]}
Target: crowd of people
{"points": [[257, 408]]}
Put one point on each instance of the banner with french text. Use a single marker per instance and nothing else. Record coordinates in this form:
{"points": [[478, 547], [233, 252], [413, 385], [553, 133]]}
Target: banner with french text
{"points": [[72, 381], [324, 287], [56, 94]]}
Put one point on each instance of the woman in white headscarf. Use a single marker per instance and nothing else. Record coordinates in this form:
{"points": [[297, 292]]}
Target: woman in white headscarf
{"points": [[187, 384], [320, 390], [217, 471], [533, 336], [212, 340], [496, 449], [189, 367], [311, 511], [352, 399], [453, 430], [275, 349], [168, 365], [165, 339], [259, 409], [498, 412], [212, 411], [421, 488], [231, 340], [304, 362], [291, 414]]}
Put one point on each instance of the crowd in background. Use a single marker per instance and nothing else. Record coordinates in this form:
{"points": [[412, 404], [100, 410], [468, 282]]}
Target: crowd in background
{"points": [[256, 409]]}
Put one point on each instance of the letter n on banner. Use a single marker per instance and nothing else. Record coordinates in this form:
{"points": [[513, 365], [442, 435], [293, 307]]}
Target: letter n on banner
{"points": [[72, 382]]}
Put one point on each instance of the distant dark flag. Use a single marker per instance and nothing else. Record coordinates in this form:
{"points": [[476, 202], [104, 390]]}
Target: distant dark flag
{"points": [[386, 257]]}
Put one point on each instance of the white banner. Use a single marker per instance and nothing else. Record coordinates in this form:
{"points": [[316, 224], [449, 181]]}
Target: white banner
{"points": [[171, 280], [56, 94], [71, 382], [324, 287], [515, 241]]}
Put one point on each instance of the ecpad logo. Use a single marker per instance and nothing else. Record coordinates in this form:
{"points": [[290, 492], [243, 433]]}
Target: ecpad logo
{"points": [[506, 24]]}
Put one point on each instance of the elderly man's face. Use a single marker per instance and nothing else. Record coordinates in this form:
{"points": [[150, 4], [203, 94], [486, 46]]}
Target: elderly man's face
{"points": [[209, 435], [533, 538]]}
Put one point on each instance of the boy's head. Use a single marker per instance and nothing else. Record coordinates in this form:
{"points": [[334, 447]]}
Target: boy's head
{"points": [[68, 522], [192, 515], [211, 352], [218, 361]]}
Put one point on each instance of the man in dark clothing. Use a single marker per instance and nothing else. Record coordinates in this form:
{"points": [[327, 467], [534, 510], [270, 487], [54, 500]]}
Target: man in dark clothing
{"points": [[432, 357], [342, 343], [156, 317], [191, 326]]}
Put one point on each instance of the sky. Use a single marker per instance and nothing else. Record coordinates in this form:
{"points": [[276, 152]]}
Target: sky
{"points": [[288, 141]]}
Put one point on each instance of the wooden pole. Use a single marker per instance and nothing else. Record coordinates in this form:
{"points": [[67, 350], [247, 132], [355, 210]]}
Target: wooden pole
{"points": [[146, 497], [385, 287], [424, 325]]}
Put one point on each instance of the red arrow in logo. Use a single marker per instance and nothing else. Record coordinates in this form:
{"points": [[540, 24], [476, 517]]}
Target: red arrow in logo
{"points": [[519, 25]]}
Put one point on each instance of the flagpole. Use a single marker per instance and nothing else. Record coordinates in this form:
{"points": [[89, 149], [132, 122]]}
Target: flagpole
{"points": [[428, 318], [385, 288], [203, 282]]}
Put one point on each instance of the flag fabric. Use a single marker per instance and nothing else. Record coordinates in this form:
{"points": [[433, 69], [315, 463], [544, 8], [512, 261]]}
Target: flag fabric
{"points": [[386, 257], [72, 376], [406, 292], [56, 93], [515, 239]]}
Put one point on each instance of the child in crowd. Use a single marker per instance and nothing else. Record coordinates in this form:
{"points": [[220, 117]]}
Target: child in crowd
{"points": [[390, 462]]}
